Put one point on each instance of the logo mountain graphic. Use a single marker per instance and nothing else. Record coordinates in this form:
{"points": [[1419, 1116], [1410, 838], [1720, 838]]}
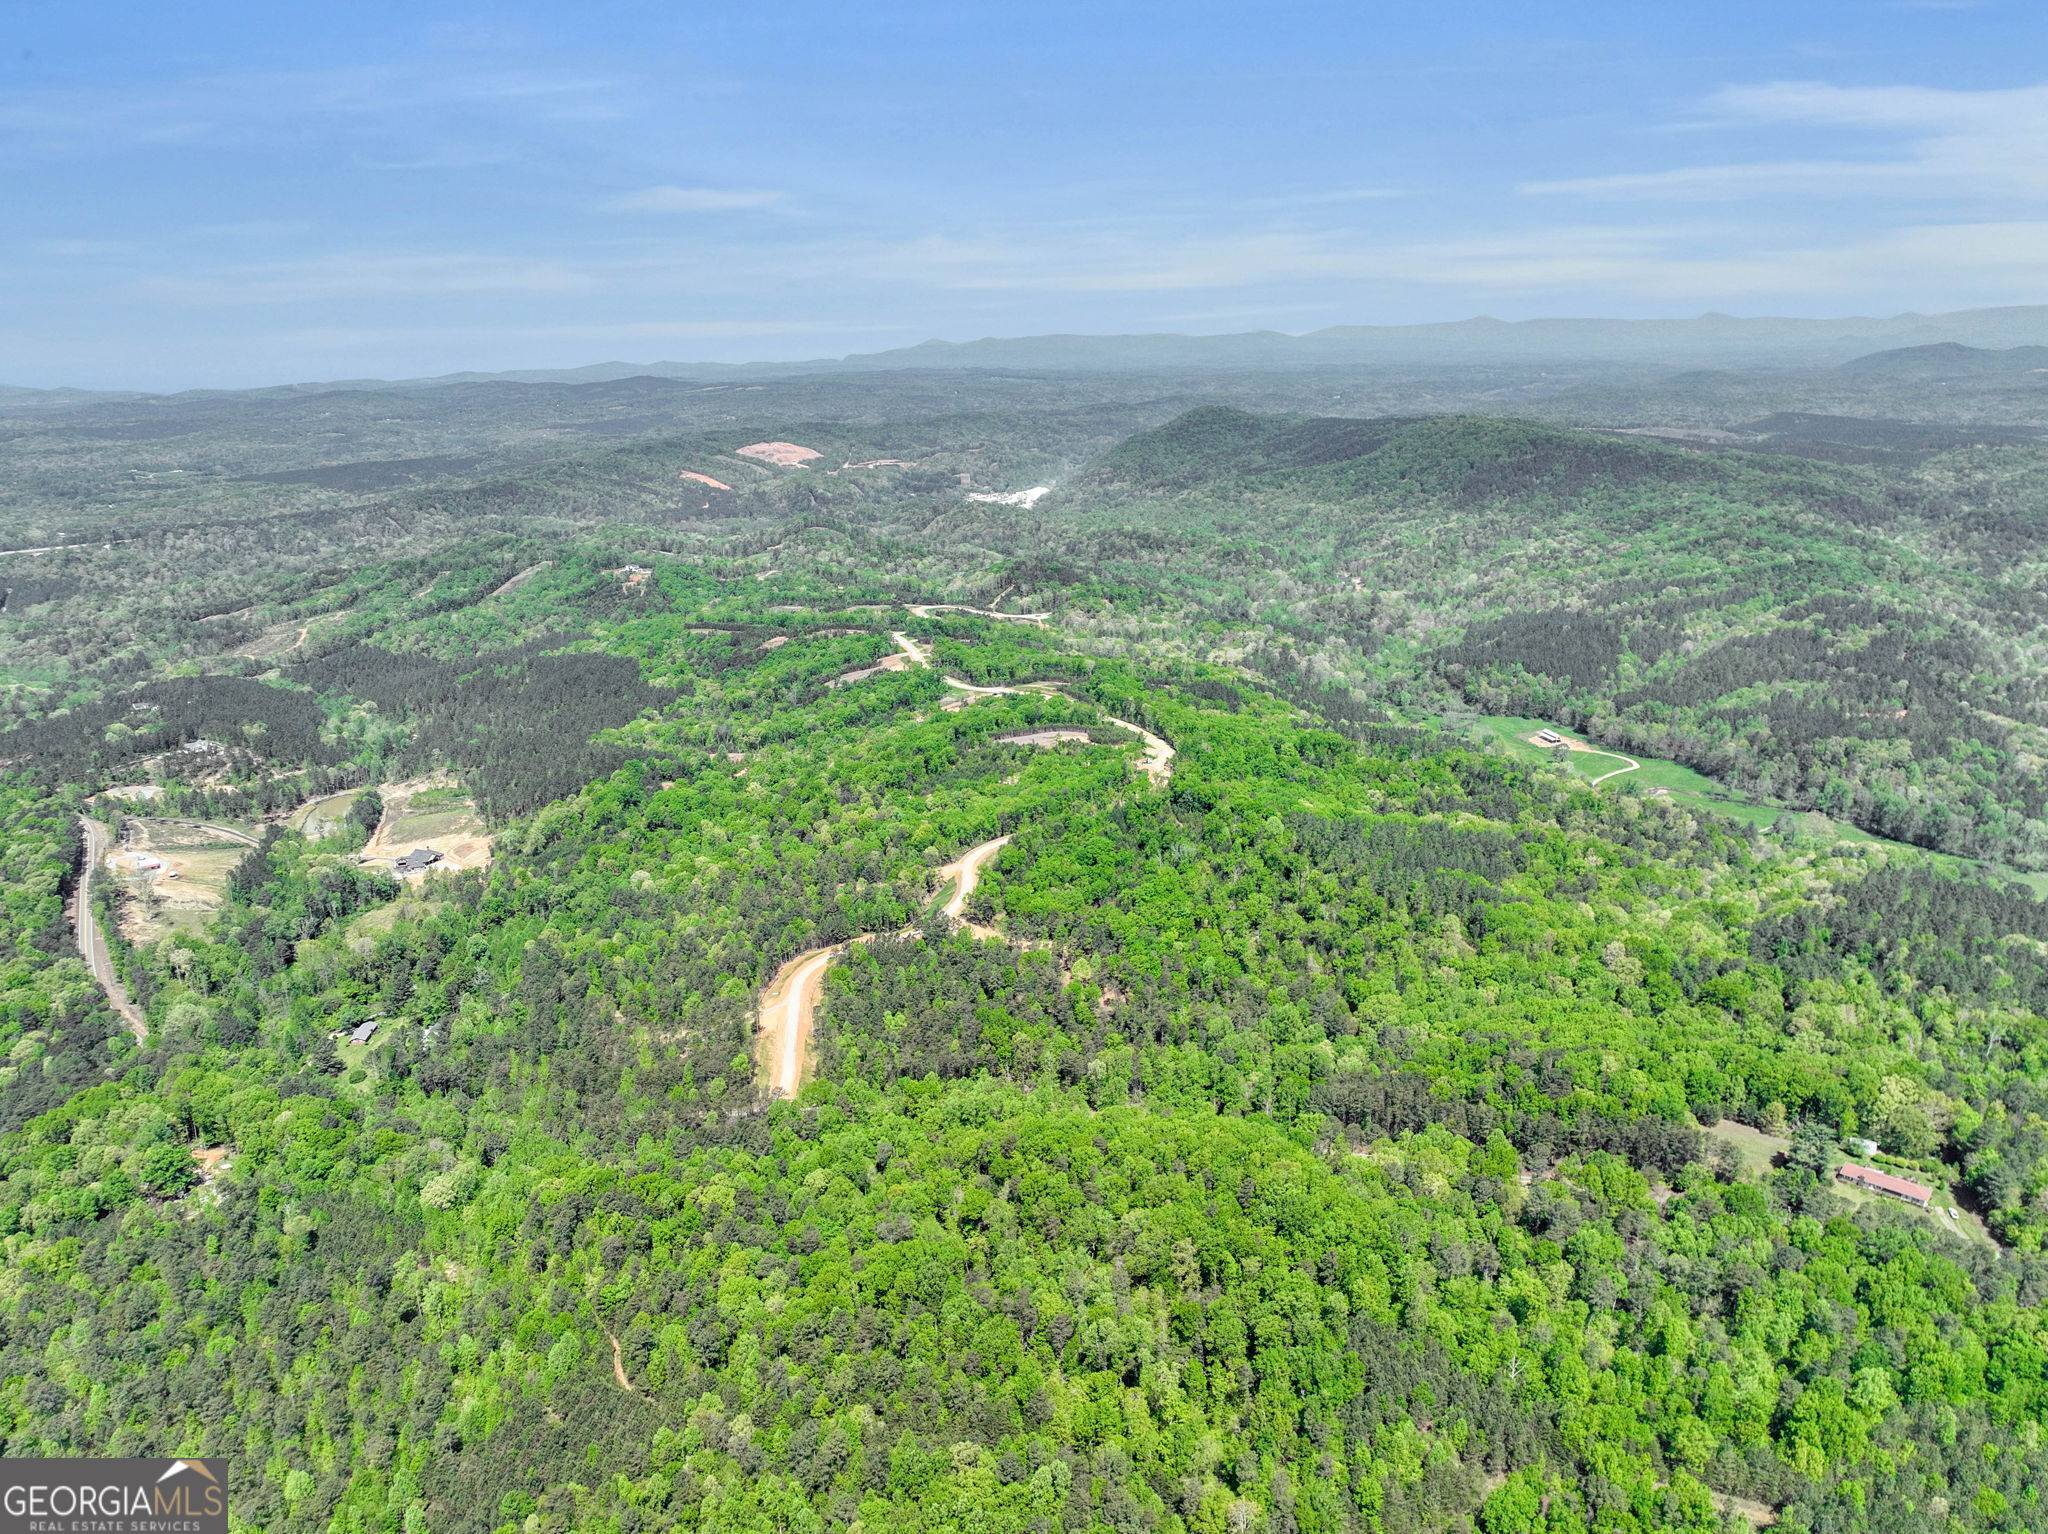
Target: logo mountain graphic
{"points": [[178, 1465]]}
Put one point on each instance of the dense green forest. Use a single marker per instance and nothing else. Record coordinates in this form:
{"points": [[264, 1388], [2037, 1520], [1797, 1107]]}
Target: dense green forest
{"points": [[1333, 1124], [1821, 635]]}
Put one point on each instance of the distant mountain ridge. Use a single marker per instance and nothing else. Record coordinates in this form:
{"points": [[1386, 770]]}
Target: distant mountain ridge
{"points": [[1707, 340], [1704, 341]]}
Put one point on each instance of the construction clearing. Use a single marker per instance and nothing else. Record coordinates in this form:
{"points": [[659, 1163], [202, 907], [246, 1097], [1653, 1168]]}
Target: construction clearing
{"points": [[434, 814], [785, 455], [173, 874], [1552, 740]]}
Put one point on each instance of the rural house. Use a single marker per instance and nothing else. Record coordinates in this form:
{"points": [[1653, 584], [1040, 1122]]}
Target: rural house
{"points": [[418, 861], [360, 1034], [1883, 1182]]}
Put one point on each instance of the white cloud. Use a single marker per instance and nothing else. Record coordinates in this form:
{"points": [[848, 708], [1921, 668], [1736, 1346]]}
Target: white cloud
{"points": [[595, 334], [368, 275], [1686, 264], [1951, 144], [693, 199], [266, 107]]}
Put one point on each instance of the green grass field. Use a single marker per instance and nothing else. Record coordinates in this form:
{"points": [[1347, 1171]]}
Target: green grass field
{"points": [[1697, 791], [1682, 783]]}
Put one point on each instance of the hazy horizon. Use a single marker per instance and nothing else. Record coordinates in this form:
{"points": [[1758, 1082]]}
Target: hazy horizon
{"points": [[950, 344]]}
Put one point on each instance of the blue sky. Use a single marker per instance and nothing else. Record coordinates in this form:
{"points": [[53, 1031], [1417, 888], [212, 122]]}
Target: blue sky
{"points": [[226, 194]]}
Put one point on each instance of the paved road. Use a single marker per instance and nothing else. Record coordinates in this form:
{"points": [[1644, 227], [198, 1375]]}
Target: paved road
{"points": [[92, 942]]}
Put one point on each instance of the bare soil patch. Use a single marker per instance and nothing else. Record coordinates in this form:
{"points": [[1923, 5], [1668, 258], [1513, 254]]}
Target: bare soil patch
{"points": [[1045, 739], [433, 812], [703, 479], [886, 663], [134, 793], [786, 455], [173, 874]]}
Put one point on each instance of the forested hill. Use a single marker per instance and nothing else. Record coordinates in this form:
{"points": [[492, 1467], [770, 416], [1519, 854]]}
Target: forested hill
{"points": [[1951, 359], [1329, 1134], [1862, 640], [994, 979]]}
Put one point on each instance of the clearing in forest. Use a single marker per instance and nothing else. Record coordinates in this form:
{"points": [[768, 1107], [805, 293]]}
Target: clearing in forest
{"points": [[926, 609], [282, 639], [521, 578], [1045, 739], [173, 874], [1025, 498], [1552, 740], [786, 455], [1757, 1151], [436, 813], [323, 816], [886, 663]]}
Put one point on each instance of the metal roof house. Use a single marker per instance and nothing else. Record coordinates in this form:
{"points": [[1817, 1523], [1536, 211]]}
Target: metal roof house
{"points": [[1549, 738], [360, 1034], [1883, 1182], [418, 861]]}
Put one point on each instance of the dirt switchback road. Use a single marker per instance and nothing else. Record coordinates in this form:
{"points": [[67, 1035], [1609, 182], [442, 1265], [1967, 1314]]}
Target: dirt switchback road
{"points": [[789, 1002], [965, 873], [92, 942], [1157, 760]]}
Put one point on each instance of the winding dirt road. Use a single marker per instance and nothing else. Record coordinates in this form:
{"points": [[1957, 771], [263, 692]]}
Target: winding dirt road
{"points": [[926, 609], [790, 999], [965, 874], [787, 1006], [619, 1366], [789, 1002], [92, 943], [1633, 766], [1157, 760], [1571, 743]]}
